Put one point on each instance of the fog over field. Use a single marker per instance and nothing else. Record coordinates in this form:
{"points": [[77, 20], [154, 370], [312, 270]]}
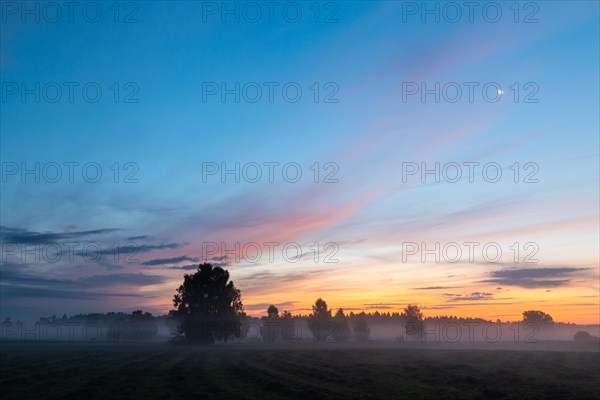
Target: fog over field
{"points": [[259, 331]]}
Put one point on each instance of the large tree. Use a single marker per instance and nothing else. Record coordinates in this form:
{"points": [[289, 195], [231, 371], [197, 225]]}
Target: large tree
{"points": [[413, 319], [320, 322], [537, 317], [271, 325], [272, 312], [208, 306]]}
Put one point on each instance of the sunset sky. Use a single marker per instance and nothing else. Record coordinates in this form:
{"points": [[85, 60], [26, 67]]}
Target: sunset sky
{"points": [[166, 133]]}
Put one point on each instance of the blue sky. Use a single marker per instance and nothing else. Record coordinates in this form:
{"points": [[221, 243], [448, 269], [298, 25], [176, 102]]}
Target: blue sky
{"points": [[367, 57]]}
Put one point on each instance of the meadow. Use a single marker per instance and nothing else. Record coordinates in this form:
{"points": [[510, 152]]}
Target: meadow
{"points": [[374, 371]]}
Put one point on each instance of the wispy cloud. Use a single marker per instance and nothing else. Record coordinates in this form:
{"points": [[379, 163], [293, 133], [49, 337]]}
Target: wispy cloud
{"points": [[533, 277], [187, 267], [469, 297], [264, 306], [20, 235], [17, 284], [173, 260], [48, 293]]}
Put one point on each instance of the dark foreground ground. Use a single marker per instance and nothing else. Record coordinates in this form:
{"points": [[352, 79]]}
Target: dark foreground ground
{"points": [[159, 371]]}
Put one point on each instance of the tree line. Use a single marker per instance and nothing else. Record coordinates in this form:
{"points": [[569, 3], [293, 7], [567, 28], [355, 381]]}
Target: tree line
{"points": [[208, 308]]}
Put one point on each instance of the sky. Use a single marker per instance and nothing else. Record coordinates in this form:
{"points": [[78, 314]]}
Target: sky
{"points": [[374, 154]]}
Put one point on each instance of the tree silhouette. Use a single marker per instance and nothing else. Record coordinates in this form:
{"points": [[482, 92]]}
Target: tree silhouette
{"points": [[361, 329], [143, 324], [537, 317], [208, 306], [413, 318], [320, 321], [342, 329], [270, 329], [289, 329], [583, 336], [272, 312]]}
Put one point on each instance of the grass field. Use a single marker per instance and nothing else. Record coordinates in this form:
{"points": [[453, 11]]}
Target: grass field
{"points": [[159, 371]]}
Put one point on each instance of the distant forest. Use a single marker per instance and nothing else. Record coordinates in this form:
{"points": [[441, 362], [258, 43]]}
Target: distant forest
{"points": [[341, 327]]}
